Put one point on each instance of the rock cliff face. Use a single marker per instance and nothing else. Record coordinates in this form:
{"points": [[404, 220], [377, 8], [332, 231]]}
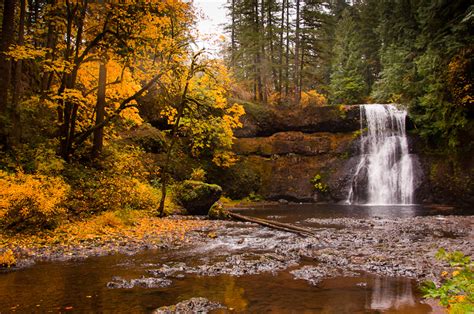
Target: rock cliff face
{"points": [[287, 149], [443, 178], [282, 151]]}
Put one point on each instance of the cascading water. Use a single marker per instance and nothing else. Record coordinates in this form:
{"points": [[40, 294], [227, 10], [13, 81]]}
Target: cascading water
{"points": [[384, 175]]}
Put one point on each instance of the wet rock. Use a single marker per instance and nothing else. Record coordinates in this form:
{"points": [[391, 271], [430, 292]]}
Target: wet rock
{"points": [[245, 264], [144, 282], [194, 305], [315, 274], [168, 271]]}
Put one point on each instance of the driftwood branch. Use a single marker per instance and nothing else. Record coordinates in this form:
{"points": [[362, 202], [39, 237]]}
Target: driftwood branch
{"points": [[304, 232]]}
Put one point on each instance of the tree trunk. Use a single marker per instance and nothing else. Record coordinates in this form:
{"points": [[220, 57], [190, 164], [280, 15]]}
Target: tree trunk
{"points": [[274, 224], [98, 141], [164, 170], [69, 114], [15, 133], [297, 55], [300, 78], [258, 60], [6, 41], [232, 35], [282, 31], [272, 50], [263, 60], [287, 57]]}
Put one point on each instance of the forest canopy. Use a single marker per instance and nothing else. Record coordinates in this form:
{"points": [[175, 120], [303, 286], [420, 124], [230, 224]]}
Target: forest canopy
{"points": [[415, 53], [106, 104]]}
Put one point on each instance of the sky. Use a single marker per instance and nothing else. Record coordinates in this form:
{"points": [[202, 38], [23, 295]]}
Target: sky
{"points": [[211, 23]]}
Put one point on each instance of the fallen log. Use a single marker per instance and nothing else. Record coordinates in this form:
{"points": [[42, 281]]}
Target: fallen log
{"points": [[274, 224]]}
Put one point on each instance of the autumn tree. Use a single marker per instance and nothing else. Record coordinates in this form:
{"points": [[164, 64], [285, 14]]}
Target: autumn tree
{"points": [[73, 37], [195, 102]]}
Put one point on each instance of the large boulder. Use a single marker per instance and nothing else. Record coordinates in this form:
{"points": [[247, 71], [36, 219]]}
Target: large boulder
{"points": [[197, 197]]}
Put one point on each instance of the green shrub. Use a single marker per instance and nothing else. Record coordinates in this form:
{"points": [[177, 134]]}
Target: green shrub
{"points": [[456, 291], [318, 185], [238, 181]]}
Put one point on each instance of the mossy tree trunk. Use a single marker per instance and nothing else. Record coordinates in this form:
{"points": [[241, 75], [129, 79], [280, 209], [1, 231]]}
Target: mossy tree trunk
{"points": [[194, 68]]}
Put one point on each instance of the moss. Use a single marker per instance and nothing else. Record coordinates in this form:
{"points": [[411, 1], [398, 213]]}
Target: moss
{"points": [[259, 112], [343, 111], [358, 133], [238, 181], [218, 212], [149, 138], [255, 197], [197, 197]]}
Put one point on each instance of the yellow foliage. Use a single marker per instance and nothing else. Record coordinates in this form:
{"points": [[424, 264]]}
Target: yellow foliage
{"points": [[31, 200], [312, 98], [198, 174], [113, 193], [274, 98], [108, 219], [7, 259], [24, 52], [209, 119], [224, 159]]}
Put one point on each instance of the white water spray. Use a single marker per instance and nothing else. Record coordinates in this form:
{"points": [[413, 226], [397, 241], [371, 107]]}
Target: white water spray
{"points": [[385, 167]]}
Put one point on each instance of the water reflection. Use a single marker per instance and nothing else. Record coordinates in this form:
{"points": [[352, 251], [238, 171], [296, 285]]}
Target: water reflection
{"points": [[386, 295], [298, 212], [82, 286]]}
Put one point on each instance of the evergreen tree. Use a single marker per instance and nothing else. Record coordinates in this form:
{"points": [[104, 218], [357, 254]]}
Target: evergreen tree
{"points": [[347, 82]]}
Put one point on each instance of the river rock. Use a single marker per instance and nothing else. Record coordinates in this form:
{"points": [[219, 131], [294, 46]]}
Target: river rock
{"points": [[193, 305], [197, 197], [144, 282]]}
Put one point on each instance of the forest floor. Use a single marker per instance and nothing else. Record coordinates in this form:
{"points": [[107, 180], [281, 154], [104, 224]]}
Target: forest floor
{"points": [[112, 232], [104, 234]]}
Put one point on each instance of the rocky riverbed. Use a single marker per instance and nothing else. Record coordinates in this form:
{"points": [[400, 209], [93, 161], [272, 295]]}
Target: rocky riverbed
{"points": [[217, 259], [341, 247], [403, 247]]}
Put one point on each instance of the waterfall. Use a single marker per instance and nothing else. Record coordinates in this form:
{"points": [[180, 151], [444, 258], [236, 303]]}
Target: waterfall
{"points": [[384, 175]]}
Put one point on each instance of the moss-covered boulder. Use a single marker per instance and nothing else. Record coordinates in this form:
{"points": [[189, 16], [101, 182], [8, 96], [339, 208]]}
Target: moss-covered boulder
{"points": [[218, 212], [197, 197]]}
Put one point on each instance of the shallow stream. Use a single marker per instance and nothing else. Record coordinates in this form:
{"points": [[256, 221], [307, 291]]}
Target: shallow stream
{"points": [[194, 270]]}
